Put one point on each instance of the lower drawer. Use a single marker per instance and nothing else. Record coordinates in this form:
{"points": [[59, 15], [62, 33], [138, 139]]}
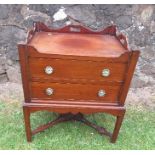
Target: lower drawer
{"points": [[78, 92]]}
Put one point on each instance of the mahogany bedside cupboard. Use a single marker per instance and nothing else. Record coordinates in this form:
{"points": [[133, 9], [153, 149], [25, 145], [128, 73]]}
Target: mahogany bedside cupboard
{"points": [[75, 71]]}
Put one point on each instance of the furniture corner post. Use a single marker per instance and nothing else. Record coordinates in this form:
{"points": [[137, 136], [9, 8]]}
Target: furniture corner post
{"points": [[27, 115], [23, 57], [129, 75]]}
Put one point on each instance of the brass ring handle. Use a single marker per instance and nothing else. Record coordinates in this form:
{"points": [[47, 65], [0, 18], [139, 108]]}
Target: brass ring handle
{"points": [[49, 70], [106, 72], [49, 91], [101, 93]]}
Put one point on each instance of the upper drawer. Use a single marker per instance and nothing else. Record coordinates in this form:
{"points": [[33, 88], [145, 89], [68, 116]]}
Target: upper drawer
{"points": [[63, 69]]}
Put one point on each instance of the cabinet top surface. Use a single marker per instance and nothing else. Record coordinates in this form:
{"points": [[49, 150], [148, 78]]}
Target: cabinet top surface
{"points": [[77, 44]]}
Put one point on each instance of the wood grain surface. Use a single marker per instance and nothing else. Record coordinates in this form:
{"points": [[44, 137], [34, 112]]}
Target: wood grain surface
{"points": [[85, 92], [77, 44], [73, 70]]}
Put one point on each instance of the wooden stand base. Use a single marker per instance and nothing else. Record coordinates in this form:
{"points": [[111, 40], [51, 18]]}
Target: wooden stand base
{"points": [[69, 117], [72, 117]]}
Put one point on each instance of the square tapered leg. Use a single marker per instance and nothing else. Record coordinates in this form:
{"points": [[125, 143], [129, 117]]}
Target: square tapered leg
{"points": [[27, 123], [118, 124]]}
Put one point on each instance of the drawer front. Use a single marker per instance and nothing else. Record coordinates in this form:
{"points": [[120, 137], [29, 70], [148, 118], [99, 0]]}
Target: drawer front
{"points": [[68, 91], [59, 69]]}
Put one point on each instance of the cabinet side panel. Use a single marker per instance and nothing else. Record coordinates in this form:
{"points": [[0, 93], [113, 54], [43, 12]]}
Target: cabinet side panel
{"points": [[23, 57], [129, 75]]}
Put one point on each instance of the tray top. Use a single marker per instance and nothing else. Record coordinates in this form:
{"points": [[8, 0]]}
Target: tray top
{"points": [[77, 44]]}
